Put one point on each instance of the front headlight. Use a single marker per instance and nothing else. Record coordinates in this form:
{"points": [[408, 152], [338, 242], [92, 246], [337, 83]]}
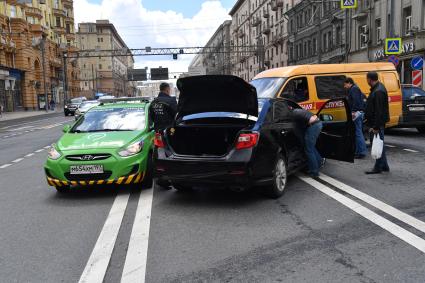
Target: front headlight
{"points": [[53, 153], [77, 112], [66, 106], [132, 149]]}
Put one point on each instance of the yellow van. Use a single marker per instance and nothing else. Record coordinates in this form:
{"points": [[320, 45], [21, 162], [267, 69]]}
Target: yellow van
{"points": [[312, 85]]}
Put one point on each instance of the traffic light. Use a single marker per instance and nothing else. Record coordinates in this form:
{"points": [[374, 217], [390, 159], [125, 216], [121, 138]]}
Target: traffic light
{"points": [[175, 56]]}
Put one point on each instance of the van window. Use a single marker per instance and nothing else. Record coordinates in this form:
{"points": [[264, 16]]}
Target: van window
{"points": [[296, 89], [329, 87], [390, 82]]}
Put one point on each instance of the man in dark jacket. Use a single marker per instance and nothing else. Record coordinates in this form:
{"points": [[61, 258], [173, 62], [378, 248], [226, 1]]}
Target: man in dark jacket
{"points": [[311, 126], [356, 101], [163, 109], [377, 115]]}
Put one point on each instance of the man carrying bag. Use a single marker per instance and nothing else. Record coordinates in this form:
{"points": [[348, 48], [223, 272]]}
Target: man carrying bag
{"points": [[377, 115]]}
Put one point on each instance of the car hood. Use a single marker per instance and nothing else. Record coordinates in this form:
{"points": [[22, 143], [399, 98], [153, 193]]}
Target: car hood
{"points": [[199, 94], [111, 140]]}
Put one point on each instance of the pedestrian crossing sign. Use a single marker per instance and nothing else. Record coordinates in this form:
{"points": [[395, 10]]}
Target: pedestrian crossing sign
{"points": [[392, 46], [349, 4]]}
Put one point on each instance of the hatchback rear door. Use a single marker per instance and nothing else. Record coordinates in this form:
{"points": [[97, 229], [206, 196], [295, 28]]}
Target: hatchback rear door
{"points": [[337, 140]]}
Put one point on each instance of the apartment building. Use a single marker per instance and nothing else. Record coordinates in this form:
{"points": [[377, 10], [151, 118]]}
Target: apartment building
{"points": [[103, 74], [259, 26], [371, 24], [317, 33], [25, 26]]}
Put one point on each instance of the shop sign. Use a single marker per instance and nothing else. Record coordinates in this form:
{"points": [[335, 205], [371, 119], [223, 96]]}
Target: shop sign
{"points": [[406, 48]]}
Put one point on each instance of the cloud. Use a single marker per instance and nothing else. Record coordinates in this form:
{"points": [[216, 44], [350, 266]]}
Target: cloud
{"points": [[140, 27]]}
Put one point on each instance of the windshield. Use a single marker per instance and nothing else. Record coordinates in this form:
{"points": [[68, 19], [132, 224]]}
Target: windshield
{"points": [[111, 119], [408, 92], [76, 100], [268, 87]]}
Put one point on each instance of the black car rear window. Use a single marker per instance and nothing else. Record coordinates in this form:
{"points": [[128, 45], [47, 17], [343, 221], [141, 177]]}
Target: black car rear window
{"points": [[408, 92]]}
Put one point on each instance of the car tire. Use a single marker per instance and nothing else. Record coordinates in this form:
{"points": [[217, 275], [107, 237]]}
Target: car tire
{"points": [[280, 178], [182, 188], [166, 185], [63, 189], [421, 129], [66, 114], [148, 180]]}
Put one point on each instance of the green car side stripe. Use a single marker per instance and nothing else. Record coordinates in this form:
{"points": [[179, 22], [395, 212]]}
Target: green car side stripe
{"points": [[126, 180]]}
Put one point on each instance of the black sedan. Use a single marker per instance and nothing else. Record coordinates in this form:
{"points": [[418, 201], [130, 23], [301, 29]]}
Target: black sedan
{"points": [[72, 105], [413, 108], [225, 136]]}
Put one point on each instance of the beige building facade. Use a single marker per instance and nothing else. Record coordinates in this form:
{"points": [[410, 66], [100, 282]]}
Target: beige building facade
{"points": [[107, 74]]}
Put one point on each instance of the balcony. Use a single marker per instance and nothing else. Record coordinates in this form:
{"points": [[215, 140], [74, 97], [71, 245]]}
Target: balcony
{"points": [[241, 33], [266, 29], [68, 3], [266, 13], [37, 28], [15, 2], [56, 62], [70, 36], [255, 21], [69, 20], [59, 12], [34, 12], [60, 30], [276, 4]]}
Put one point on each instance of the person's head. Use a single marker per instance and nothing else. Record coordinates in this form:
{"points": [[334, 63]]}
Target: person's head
{"points": [[372, 78], [165, 88], [348, 83]]}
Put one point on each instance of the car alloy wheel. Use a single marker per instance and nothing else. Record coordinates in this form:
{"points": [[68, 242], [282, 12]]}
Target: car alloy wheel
{"points": [[280, 175]]}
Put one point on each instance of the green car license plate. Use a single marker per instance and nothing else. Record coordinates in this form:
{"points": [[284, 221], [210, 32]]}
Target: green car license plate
{"points": [[86, 169]]}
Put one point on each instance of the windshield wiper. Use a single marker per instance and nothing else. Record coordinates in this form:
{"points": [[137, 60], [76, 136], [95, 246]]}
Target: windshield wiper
{"points": [[78, 131], [110, 130]]}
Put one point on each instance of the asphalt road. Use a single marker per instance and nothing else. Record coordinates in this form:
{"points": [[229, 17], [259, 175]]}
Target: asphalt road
{"points": [[346, 228]]}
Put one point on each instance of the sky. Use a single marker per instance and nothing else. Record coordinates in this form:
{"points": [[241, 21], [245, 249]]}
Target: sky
{"points": [[159, 23]]}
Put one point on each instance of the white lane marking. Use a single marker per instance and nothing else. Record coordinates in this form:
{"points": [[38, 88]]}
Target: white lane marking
{"points": [[389, 145], [5, 137], [99, 259], [137, 253], [39, 150], [17, 160], [29, 155], [410, 150], [394, 212], [394, 229], [17, 129], [5, 166], [47, 146]]}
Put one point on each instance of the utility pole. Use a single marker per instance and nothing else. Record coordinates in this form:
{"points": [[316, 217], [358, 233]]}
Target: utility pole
{"points": [[43, 59], [92, 75], [392, 18], [65, 78]]}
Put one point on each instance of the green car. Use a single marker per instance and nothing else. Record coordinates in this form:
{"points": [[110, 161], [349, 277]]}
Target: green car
{"points": [[111, 144]]}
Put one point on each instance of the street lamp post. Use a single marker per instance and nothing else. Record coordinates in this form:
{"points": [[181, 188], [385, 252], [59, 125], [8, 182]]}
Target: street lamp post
{"points": [[65, 78], [43, 59]]}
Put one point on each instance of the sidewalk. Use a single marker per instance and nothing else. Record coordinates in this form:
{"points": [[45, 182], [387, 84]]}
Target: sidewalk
{"points": [[8, 116]]}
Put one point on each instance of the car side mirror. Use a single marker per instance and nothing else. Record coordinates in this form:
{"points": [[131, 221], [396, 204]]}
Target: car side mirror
{"points": [[66, 128], [326, 117]]}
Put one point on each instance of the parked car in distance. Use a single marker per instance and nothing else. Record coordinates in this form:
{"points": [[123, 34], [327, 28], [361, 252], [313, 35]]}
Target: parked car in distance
{"points": [[84, 107], [71, 106], [413, 108], [225, 136]]}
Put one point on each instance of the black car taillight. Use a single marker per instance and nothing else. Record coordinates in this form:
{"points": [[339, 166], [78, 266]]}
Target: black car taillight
{"points": [[247, 140]]}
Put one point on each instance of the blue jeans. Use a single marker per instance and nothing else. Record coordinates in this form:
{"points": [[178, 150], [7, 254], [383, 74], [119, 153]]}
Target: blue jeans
{"points": [[360, 141], [381, 163], [314, 159]]}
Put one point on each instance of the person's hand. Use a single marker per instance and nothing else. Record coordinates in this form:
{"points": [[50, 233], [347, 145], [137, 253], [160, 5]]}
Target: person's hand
{"points": [[372, 130]]}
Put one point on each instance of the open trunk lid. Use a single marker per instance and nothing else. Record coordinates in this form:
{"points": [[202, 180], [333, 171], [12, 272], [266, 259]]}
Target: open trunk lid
{"points": [[217, 93]]}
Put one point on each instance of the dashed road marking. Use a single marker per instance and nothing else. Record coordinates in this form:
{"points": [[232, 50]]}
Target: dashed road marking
{"points": [[389, 145], [5, 166], [29, 154], [410, 150], [39, 150], [17, 160], [382, 222], [47, 146], [96, 267], [137, 253]]}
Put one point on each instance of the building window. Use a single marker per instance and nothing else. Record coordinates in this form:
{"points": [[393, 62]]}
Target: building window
{"points": [[330, 39], [328, 87], [58, 21], [100, 66], [12, 11], [407, 15], [363, 36], [378, 31], [314, 46], [338, 36]]}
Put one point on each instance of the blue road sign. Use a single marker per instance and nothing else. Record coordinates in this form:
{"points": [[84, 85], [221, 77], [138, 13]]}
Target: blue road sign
{"points": [[417, 63], [348, 4], [394, 59], [392, 46]]}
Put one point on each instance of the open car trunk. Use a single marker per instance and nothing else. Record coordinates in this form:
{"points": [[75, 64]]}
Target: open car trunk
{"points": [[210, 138]]}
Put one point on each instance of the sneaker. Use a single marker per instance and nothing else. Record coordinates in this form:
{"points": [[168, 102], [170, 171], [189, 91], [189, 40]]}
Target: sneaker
{"points": [[322, 164], [359, 156]]}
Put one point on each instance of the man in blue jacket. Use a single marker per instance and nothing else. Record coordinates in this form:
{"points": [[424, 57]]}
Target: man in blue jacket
{"points": [[356, 101]]}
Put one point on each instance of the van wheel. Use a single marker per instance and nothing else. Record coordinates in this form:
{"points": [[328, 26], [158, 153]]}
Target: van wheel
{"points": [[280, 177], [421, 129], [63, 190], [182, 188]]}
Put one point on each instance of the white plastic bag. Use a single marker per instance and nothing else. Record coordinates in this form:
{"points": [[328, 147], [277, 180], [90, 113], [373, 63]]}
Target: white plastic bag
{"points": [[377, 147]]}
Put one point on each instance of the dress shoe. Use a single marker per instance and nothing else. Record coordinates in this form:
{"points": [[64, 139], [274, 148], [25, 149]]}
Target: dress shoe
{"points": [[386, 170], [359, 156], [374, 171]]}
